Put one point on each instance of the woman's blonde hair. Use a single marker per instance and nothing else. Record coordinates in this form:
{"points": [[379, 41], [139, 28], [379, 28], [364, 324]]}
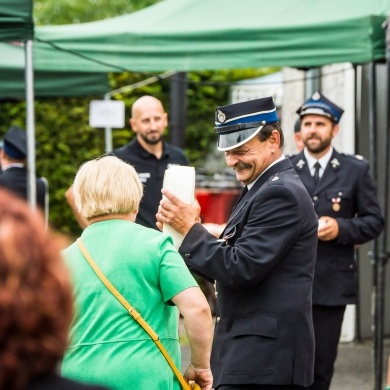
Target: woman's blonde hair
{"points": [[107, 185]]}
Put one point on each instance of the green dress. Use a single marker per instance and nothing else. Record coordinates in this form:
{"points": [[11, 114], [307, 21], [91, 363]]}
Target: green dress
{"points": [[107, 346]]}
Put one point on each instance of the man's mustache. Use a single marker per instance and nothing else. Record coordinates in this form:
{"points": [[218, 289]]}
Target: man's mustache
{"points": [[240, 166]]}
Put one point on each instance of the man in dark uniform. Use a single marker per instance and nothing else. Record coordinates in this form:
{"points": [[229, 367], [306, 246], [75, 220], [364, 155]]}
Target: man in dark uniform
{"points": [[263, 262], [149, 154], [345, 201], [13, 176]]}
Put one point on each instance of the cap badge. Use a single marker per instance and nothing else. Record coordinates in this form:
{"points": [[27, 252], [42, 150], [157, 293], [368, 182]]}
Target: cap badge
{"points": [[316, 96], [301, 163], [335, 163], [276, 177], [221, 116]]}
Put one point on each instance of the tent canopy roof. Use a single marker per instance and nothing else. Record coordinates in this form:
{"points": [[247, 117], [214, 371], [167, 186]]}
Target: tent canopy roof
{"points": [[16, 20], [47, 83], [198, 35]]}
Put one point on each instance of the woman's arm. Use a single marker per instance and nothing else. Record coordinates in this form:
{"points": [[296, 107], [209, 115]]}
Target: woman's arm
{"points": [[195, 310]]}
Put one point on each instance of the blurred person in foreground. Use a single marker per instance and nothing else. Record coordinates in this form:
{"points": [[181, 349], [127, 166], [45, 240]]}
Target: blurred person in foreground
{"points": [[35, 301], [263, 262], [344, 197], [107, 345]]}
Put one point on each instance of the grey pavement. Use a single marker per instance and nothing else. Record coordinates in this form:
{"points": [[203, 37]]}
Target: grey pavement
{"points": [[354, 366]]}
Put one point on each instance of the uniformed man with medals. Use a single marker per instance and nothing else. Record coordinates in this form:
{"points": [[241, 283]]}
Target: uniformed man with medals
{"points": [[344, 198]]}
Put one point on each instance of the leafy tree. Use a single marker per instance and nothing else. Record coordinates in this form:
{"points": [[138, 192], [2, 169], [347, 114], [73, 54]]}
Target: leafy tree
{"points": [[76, 11]]}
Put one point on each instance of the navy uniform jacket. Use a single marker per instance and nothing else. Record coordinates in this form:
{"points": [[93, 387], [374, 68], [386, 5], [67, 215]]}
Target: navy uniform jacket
{"points": [[150, 171], [264, 274], [14, 179], [346, 181]]}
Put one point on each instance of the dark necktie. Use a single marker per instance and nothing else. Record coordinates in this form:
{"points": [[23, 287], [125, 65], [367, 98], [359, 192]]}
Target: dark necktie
{"points": [[316, 175], [243, 193]]}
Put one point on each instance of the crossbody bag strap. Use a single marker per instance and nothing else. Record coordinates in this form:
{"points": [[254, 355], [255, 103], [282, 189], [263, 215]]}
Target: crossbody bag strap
{"points": [[133, 313]]}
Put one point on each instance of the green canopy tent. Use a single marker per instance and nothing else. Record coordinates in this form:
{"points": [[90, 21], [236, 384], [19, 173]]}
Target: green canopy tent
{"points": [[16, 21], [46, 83], [17, 74], [196, 35]]}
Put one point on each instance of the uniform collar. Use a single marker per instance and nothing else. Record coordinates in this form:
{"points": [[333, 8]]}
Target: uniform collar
{"points": [[282, 157], [323, 160], [144, 153], [13, 165]]}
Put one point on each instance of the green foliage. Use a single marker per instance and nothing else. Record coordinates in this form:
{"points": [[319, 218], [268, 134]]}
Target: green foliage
{"points": [[79, 11]]}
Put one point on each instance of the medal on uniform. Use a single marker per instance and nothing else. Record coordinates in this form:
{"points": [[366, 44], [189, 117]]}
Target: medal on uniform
{"points": [[336, 204]]}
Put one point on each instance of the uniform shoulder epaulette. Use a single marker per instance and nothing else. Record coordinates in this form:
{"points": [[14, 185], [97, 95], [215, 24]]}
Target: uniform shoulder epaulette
{"points": [[354, 156], [290, 156], [275, 177]]}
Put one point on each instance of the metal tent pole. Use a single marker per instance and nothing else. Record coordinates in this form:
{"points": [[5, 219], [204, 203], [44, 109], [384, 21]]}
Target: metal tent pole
{"points": [[30, 126], [178, 108], [383, 255]]}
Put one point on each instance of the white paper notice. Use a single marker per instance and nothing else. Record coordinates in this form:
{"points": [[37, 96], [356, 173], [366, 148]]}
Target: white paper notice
{"points": [[179, 180]]}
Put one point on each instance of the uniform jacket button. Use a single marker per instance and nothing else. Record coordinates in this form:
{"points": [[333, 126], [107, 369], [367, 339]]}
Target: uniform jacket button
{"points": [[187, 255], [315, 198], [218, 320]]}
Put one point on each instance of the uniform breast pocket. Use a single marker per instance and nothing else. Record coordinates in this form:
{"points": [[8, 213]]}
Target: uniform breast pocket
{"points": [[339, 199]]}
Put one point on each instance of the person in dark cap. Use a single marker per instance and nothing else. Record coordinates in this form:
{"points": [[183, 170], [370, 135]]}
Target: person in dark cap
{"points": [[297, 135], [13, 176], [263, 262], [344, 197]]}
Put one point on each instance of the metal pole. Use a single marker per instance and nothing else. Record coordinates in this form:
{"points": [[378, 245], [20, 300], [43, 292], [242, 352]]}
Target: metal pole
{"points": [[377, 318], [312, 81], [178, 109], [108, 130], [30, 126], [383, 256], [358, 126]]}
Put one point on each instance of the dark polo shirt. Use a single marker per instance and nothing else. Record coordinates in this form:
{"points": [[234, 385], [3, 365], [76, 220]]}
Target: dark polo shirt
{"points": [[151, 173]]}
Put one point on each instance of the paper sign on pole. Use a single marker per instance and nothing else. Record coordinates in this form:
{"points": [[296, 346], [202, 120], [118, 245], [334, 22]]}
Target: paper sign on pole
{"points": [[179, 180], [107, 113]]}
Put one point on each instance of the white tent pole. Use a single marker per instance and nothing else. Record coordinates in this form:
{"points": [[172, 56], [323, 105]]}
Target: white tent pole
{"points": [[30, 125], [108, 130]]}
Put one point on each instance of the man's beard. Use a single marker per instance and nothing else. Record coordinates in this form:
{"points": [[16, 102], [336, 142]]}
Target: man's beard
{"points": [[151, 141], [323, 145]]}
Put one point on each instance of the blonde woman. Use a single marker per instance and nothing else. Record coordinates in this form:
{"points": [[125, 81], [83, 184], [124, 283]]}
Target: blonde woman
{"points": [[107, 346]]}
